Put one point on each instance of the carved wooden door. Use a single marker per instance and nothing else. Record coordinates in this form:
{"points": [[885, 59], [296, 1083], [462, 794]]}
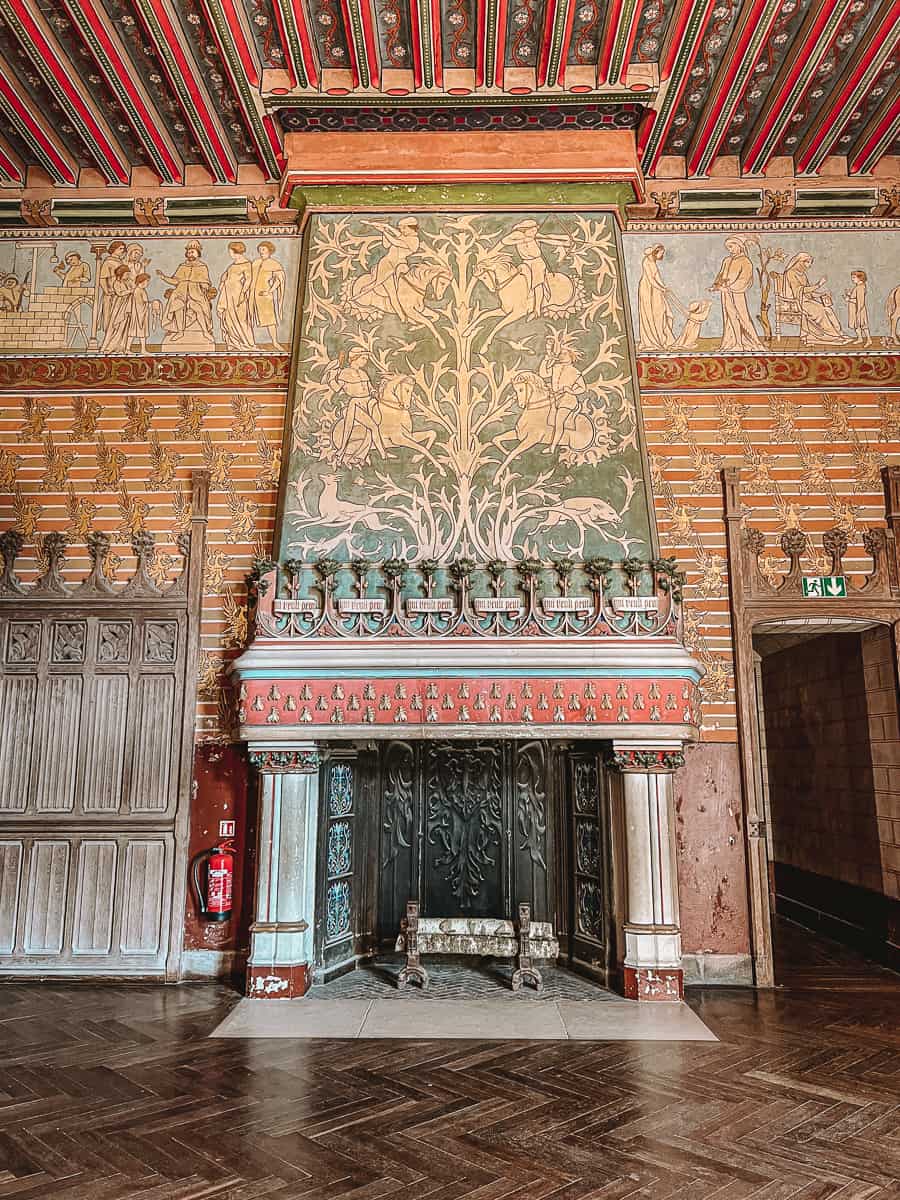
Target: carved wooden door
{"points": [[341, 855], [589, 855], [97, 718], [464, 829]]}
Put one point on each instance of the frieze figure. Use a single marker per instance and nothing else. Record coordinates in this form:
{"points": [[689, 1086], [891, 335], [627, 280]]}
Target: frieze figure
{"points": [[188, 315]]}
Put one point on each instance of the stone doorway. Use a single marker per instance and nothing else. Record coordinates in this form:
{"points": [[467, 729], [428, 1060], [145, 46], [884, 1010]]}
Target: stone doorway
{"points": [[467, 828], [830, 780]]}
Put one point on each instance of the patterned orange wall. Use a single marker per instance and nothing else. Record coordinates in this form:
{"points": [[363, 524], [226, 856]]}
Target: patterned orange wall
{"points": [[123, 462], [809, 459]]}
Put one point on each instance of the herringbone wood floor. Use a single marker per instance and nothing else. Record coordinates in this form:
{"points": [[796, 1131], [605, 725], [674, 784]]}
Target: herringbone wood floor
{"points": [[117, 1092]]}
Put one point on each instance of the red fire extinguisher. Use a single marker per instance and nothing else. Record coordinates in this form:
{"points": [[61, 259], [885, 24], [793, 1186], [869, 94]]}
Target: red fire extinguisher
{"points": [[214, 900]]}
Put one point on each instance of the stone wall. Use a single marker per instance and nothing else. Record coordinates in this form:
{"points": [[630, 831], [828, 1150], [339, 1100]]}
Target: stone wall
{"points": [[881, 711], [821, 783], [833, 755]]}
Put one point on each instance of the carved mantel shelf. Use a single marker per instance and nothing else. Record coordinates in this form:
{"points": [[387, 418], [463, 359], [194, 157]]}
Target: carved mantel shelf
{"points": [[596, 651]]}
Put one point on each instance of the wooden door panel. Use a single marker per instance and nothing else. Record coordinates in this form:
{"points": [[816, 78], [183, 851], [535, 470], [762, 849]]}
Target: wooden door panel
{"points": [[46, 894], [12, 858], [84, 904], [18, 705], [97, 690], [53, 766], [149, 788], [95, 891], [103, 753]]}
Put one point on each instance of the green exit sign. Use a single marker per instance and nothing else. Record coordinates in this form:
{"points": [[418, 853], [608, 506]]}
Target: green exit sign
{"points": [[825, 587]]}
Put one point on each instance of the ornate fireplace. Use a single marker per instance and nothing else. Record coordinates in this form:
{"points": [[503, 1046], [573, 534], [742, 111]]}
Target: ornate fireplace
{"points": [[472, 737]]}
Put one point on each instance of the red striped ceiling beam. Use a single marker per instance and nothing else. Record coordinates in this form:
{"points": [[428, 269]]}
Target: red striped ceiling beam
{"points": [[618, 40], [480, 43], [366, 41], [437, 42], [174, 53], [676, 60], [102, 39], [879, 43], [731, 81], [566, 43], [797, 74], [12, 169], [40, 43], [500, 43], [877, 137], [551, 40], [228, 21], [297, 43], [34, 129]]}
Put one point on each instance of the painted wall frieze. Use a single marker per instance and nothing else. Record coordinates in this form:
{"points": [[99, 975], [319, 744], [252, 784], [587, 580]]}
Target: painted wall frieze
{"points": [[750, 373], [252, 372]]}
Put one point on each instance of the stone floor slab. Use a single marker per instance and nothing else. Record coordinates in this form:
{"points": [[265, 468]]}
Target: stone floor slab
{"points": [[463, 1019], [631, 1021], [294, 1019]]}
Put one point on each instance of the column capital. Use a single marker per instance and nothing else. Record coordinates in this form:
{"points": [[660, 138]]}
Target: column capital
{"points": [[652, 756], [301, 759]]}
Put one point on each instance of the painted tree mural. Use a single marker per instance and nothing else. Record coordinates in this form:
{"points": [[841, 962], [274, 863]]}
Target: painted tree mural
{"points": [[464, 387]]}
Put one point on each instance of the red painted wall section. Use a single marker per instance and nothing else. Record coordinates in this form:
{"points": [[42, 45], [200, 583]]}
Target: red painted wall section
{"points": [[222, 791], [712, 881]]}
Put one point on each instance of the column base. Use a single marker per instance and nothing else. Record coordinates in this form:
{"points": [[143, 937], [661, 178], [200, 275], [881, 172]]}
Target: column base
{"points": [[269, 982], [653, 983]]}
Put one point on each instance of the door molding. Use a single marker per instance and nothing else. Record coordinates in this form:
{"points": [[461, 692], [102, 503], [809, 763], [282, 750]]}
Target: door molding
{"points": [[98, 681], [756, 600]]}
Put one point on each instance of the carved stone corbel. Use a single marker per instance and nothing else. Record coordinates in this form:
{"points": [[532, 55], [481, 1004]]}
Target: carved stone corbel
{"points": [[98, 545], [51, 583], [11, 543], [141, 583], [179, 585], [793, 543], [835, 542], [875, 544], [753, 541]]}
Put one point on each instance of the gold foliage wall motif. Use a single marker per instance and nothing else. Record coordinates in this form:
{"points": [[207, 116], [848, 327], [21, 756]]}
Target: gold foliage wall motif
{"points": [[464, 387], [122, 464], [809, 460]]}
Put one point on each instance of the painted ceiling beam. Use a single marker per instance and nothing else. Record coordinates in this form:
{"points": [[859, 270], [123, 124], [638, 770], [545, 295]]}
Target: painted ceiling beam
{"points": [[731, 81], [796, 75], [102, 39], [296, 43], [174, 52], [500, 16], [241, 60], [361, 39], [828, 122], [12, 169], [33, 128], [677, 59], [480, 42], [560, 77], [437, 41], [40, 43], [877, 137], [551, 39], [621, 30]]}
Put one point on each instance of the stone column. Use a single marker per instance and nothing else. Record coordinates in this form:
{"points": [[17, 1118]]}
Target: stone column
{"points": [[280, 963], [652, 968]]}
